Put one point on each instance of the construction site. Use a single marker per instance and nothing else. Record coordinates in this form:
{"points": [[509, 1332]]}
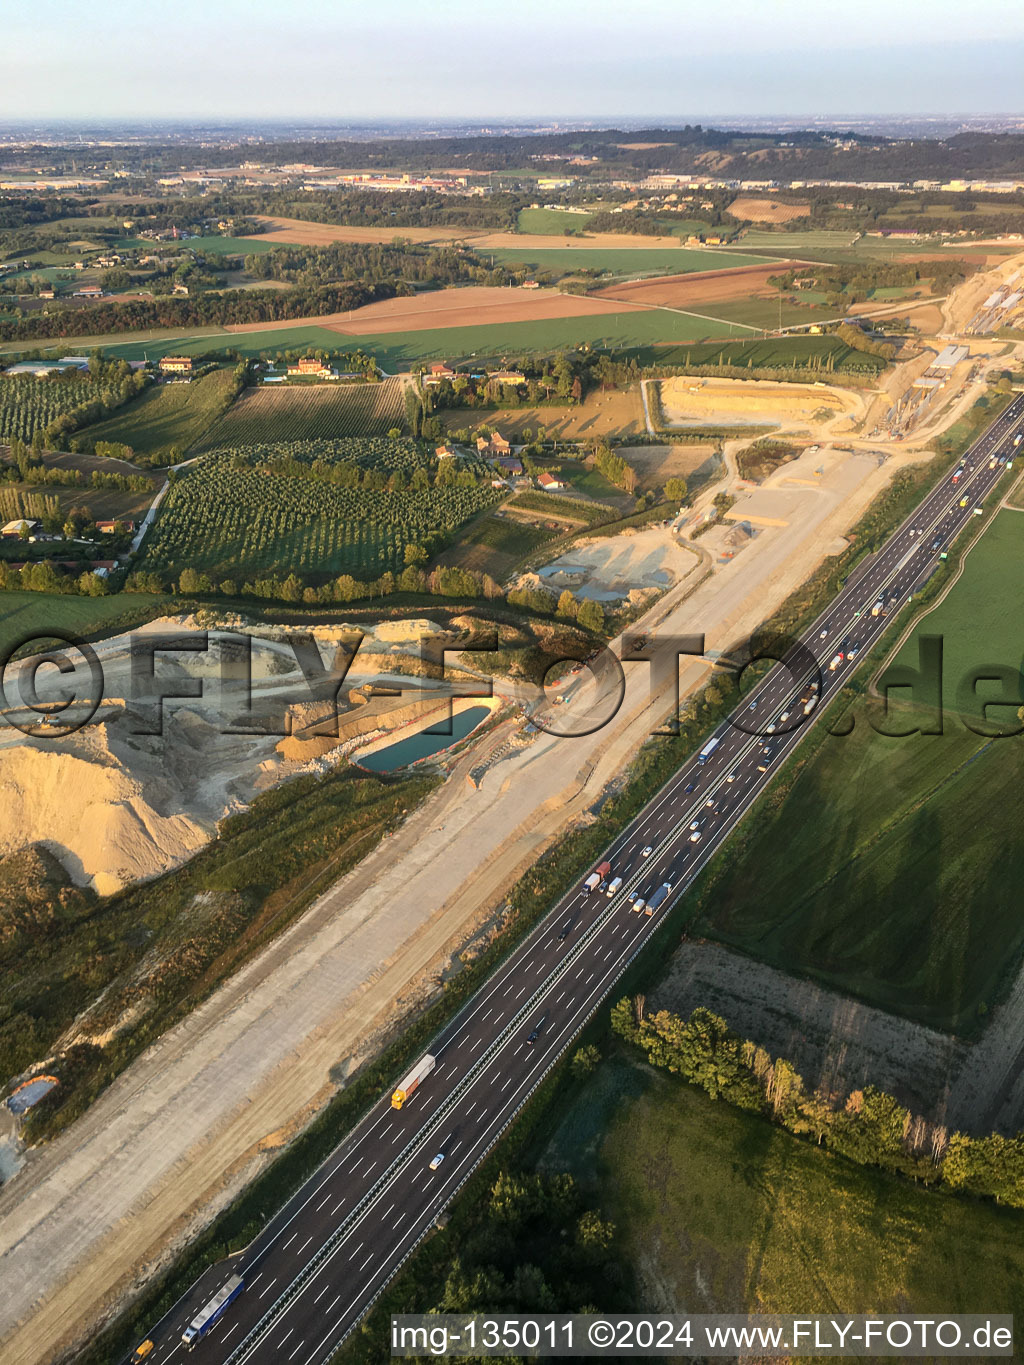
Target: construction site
{"points": [[87, 1219]]}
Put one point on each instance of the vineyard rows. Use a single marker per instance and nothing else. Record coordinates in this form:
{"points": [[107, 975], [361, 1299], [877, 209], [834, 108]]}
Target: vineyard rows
{"points": [[310, 411], [28, 404], [230, 517]]}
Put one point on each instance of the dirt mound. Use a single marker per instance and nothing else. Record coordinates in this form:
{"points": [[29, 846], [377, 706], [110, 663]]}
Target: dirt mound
{"points": [[86, 809]]}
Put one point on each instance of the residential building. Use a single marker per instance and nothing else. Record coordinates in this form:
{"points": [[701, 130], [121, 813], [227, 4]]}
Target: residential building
{"points": [[311, 368], [549, 482], [176, 364], [495, 444]]}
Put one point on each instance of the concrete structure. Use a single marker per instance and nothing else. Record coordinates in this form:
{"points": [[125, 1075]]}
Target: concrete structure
{"points": [[946, 361]]}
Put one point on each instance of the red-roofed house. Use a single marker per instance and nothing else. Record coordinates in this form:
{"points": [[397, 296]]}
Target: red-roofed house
{"points": [[549, 482]]}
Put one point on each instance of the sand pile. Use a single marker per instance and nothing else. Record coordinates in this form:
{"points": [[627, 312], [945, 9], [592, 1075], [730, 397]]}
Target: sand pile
{"points": [[83, 806]]}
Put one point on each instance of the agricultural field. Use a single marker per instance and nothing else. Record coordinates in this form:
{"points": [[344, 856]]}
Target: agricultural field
{"points": [[36, 615], [897, 881], [168, 417], [756, 210], [980, 621], [495, 544], [718, 1208], [631, 328], [628, 262], [551, 220], [301, 412], [28, 404], [773, 353], [104, 504], [796, 242], [246, 512], [618, 414]]}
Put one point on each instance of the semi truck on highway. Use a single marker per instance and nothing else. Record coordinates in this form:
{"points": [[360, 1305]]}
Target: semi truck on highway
{"points": [[657, 898], [707, 751], [409, 1083], [213, 1312], [597, 876]]}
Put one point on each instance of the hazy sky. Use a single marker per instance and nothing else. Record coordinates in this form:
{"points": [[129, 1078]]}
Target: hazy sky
{"points": [[355, 60]]}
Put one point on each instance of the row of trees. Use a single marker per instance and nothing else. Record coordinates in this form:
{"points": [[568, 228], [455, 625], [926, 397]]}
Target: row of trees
{"points": [[235, 306], [869, 1127]]}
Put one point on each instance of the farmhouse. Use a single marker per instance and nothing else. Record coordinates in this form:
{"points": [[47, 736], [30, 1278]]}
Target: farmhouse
{"points": [[108, 528], [438, 373], [495, 444], [507, 377], [176, 364], [508, 464], [311, 368], [444, 452], [89, 291], [549, 483]]}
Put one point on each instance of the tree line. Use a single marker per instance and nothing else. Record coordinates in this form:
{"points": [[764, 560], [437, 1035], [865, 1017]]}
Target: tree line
{"points": [[869, 1127]]}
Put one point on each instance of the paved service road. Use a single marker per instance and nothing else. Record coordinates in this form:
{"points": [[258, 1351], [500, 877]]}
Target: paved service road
{"points": [[320, 1263]]}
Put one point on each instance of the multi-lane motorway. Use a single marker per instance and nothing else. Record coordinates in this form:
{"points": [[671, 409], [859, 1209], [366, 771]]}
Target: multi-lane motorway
{"points": [[320, 1263]]}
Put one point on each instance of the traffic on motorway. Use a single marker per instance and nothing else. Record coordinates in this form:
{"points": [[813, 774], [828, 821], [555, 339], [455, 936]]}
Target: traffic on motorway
{"points": [[313, 1272]]}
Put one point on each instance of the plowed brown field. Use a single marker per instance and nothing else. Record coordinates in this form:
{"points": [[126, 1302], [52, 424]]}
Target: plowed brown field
{"points": [[767, 210], [448, 308], [300, 233], [682, 291]]}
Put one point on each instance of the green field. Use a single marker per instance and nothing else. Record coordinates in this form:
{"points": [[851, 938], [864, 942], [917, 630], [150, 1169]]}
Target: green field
{"points": [[719, 1209], [980, 620], [300, 412], [627, 262], [888, 867], [31, 615], [241, 512], [770, 353], [550, 221], [494, 545], [168, 415], [764, 313], [794, 243]]}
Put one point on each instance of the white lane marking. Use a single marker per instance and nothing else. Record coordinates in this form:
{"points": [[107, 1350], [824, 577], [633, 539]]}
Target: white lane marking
{"points": [[366, 1262], [322, 1293], [322, 1202], [304, 1246], [296, 1351], [356, 1252], [289, 1241], [269, 1288]]}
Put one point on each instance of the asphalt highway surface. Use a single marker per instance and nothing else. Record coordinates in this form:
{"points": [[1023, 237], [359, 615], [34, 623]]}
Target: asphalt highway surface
{"points": [[317, 1267]]}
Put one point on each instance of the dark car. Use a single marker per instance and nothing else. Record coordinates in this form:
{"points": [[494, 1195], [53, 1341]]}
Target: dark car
{"points": [[536, 1030], [690, 787], [565, 931]]}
